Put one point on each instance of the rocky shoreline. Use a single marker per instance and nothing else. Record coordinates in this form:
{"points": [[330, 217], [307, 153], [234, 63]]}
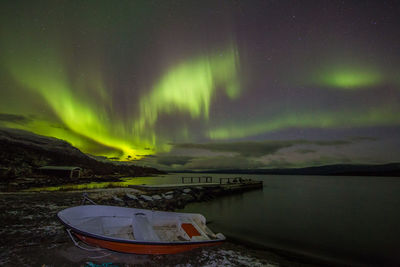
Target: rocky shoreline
{"points": [[31, 231], [170, 200]]}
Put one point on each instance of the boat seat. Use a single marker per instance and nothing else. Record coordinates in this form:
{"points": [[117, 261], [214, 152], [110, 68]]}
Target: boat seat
{"points": [[142, 228], [190, 227], [190, 230]]}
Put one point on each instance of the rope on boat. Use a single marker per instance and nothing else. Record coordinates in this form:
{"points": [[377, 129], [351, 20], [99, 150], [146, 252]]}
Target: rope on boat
{"points": [[85, 197], [79, 246], [88, 249]]}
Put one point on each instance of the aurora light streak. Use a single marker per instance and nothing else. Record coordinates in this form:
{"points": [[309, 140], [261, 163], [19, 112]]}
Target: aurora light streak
{"points": [[136, 79], [349, 77], [190, 86], [187, 87]]}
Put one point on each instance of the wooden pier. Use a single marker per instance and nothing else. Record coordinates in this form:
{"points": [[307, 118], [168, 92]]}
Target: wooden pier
{"points": [[235, 184]]}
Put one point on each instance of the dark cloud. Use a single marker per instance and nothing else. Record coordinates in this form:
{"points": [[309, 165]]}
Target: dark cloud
{"points": [[258, 149], [280, 164], [249, 155], [223, 162], [173, 160], [329, 143], [364, 138], [148, 156], [5, 117], [305, 151], [255, 149], [324, 160]]}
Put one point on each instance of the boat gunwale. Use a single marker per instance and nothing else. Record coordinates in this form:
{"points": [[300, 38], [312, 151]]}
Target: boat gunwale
{"points": [[102, 237]]}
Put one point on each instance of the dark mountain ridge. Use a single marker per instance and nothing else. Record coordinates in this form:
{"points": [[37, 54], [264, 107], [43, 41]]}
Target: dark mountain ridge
{"points": [[22, 152], [390, 169]]}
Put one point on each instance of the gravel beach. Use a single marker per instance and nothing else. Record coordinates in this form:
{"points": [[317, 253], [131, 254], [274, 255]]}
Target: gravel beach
{"points": [[31, 235]]}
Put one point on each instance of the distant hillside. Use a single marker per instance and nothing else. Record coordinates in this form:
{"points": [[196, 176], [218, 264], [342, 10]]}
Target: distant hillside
{"points": [[21, 152], [391, 169]]}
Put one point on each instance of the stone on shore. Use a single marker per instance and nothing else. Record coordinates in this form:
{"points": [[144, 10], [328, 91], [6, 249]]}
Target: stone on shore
{"points": [[136, 191], [130, 196], [156, 197], [117, 199], [146, 198]]}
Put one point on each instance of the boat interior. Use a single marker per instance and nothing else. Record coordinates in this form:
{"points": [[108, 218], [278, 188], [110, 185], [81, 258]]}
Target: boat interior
{"points": [[145, 227]]}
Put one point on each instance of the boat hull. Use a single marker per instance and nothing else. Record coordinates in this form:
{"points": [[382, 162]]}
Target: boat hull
{"points": [[138, 231], [155, 249]]}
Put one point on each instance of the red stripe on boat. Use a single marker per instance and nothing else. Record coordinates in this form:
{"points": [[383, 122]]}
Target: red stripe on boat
{"points": [[143, 248]]}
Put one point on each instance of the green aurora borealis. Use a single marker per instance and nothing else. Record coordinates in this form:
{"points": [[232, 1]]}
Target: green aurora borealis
{"points": [[133, 80], [186, 87]]}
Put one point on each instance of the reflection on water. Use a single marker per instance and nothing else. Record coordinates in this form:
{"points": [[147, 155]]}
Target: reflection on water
{"points": [[174, 178], [125, 182], [350, 220]]}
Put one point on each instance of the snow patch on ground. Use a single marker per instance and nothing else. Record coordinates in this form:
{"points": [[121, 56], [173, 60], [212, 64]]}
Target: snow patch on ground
{"points": [[223, 257], [229, 258]]}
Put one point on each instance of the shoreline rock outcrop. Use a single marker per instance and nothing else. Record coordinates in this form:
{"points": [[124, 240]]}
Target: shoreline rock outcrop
{"points": [[165, 201]]}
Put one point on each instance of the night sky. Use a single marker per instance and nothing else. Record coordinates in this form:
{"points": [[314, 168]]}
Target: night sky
{"points": [[206, 84]]}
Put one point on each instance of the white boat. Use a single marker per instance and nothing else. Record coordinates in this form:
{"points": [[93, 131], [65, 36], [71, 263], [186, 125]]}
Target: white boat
{"points": [[138, 231]]}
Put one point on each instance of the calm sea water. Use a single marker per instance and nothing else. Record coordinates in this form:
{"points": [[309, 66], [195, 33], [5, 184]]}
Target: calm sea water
{"points": [[350, 220]]}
